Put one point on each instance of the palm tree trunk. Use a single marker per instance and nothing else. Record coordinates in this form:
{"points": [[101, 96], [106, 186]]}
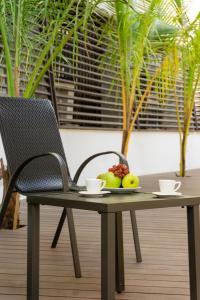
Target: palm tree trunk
{"points": [[183, 156], [125, 140], [186, 129], [16, 81], [18, 30], [127, 131]]}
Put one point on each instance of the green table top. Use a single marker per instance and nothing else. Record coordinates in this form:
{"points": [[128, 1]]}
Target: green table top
{"points": [[111, 202]]}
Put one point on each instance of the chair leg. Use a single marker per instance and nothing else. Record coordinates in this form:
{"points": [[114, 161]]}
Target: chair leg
{"points": [[67, 212], [73, 240], [33, 252], [136, 236], [59, 228]]}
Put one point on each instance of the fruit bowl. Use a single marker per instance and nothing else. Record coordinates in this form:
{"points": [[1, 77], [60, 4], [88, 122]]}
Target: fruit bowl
{"points": [[120, 180]]}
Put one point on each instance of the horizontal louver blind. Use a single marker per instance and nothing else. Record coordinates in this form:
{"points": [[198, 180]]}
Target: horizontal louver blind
{"points": [[88, 92], [83, 89]]}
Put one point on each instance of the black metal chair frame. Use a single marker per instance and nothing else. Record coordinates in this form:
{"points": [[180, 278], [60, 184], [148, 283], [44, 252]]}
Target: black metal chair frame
{"points": [[123, 160], [68, 184]]}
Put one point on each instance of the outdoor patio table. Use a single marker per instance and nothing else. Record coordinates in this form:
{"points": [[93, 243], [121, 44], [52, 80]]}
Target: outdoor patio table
{"points": [[110, 208]]}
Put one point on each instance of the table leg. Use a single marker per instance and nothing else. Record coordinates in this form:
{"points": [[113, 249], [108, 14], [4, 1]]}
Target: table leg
{"points": [[194, 251], [33, 252], [120, 285], [107, 256]]}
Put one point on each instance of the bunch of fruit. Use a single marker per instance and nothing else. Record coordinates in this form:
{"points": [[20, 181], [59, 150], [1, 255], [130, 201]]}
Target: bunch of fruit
{"points": [[119, 176], [119, 170]]}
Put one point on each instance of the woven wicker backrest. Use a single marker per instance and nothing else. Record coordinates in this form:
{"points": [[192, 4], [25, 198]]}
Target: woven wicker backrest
{"points": [[29, 127]]}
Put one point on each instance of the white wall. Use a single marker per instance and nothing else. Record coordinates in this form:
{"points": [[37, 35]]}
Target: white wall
{"points": [[149, 152]]}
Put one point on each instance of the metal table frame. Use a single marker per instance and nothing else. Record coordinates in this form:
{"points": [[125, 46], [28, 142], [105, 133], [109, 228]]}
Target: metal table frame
{"points": [[112, 258]]}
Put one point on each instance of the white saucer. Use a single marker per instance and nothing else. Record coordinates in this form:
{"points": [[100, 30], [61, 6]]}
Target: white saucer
{"points": [[162, 195], [91, 194]]}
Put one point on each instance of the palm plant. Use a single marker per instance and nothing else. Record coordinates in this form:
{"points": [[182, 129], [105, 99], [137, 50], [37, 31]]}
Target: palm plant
{"points": [[132, 32], [29, 30], [144, 31], [183, 63], [186, 58], [156, 29]]}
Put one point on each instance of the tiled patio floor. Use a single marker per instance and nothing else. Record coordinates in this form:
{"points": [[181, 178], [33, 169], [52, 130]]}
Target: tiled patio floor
{"points": [[163, 274]]}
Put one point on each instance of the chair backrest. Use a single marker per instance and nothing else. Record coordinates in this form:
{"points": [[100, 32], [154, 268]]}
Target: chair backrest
{"points": [[29, 127]]}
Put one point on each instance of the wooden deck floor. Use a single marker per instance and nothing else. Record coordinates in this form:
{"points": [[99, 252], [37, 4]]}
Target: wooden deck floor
{"points": [[163, 274]]}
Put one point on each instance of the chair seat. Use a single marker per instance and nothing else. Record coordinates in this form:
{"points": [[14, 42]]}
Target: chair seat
{"points": [[40, 184]]}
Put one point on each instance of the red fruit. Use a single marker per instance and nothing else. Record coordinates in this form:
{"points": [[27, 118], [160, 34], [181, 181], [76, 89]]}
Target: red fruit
{"points": [[119, 170]]}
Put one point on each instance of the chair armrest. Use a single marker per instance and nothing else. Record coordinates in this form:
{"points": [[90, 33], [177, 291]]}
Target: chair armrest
{"points": [[122, 160], [13, 179]]}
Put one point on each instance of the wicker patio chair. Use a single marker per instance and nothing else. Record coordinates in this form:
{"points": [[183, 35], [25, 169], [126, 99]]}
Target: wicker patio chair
{"points": [[37, 163]]}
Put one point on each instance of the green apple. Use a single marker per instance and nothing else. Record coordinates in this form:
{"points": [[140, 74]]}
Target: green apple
{"points": [[130, 181], [112, 181]]}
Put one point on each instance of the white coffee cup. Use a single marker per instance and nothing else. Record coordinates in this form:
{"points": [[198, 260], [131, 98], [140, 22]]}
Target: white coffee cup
{"points": [[169, 186], [94, 185]]}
